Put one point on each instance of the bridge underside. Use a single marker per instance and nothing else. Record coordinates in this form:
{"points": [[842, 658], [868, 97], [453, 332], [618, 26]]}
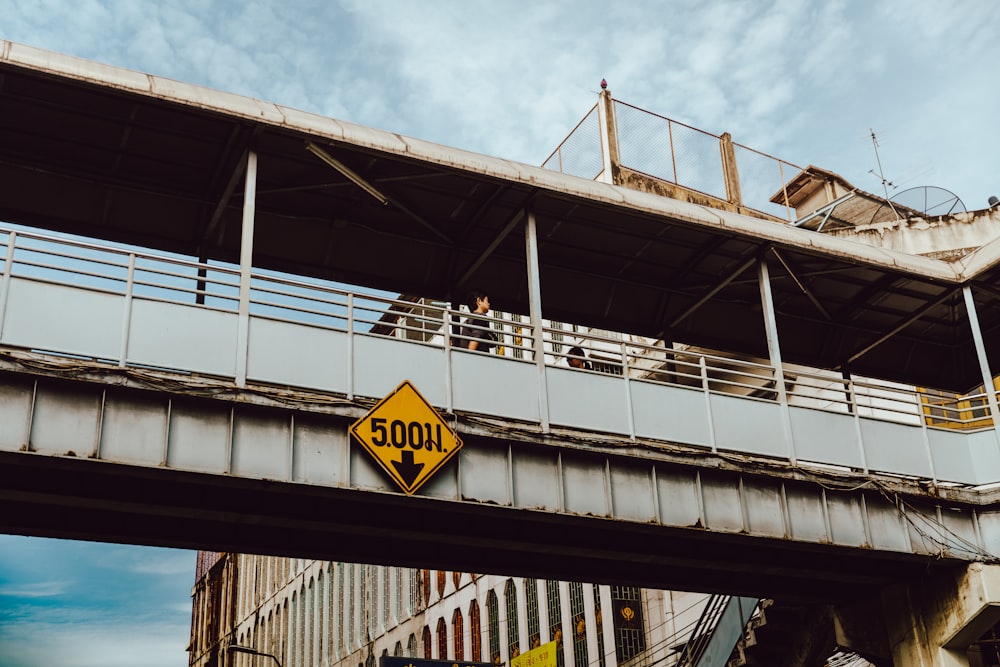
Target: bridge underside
{"points": [[122, 464]]}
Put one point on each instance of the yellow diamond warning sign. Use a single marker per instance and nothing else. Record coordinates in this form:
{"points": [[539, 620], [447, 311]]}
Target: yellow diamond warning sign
{"points": [[407, 437]]}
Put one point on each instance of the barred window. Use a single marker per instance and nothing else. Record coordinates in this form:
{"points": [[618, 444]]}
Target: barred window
{"points": [[369, 583], [493, 619], [399, 594], [341, 609], [576, 609], [510, 599], [351, 617], [531, 604], [554, 605], [630, 637], [415, 594], [442, 637], [476, 631], [459, 631], [599, 622], [383, 582]]}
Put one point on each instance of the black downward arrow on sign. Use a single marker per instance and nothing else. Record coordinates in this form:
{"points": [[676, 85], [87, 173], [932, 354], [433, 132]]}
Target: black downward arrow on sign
{"points": [[407, 468]]}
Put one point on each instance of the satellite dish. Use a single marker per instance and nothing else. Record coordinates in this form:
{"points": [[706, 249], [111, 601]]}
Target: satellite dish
{"points": [[921, 202], [930, 200]]}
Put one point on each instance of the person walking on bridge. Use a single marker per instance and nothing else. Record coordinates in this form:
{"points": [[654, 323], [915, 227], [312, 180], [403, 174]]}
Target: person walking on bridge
{"points": [[476, 330]]}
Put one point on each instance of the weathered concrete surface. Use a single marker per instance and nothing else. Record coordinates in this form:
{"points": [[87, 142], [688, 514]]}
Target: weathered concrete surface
{"points": [[930, 623], [946, 237]]}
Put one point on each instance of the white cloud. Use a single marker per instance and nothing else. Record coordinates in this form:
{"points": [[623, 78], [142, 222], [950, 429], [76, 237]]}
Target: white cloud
{"points": [[41, 589], [90, 644], [163, 562]]}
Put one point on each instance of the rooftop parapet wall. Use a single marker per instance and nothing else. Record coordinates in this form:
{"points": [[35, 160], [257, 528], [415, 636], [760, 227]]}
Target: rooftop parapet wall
{"points": [[944, 237]]}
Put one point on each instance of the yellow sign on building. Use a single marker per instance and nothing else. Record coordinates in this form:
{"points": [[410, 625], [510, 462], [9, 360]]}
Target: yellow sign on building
{"points": [[407, 437], [543, 656]]}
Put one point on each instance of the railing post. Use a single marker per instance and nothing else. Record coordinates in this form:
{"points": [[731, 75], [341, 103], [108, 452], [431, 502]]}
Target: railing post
{"points": [[730, 172], [8, 267], [774, 352], [450, 402], [246, 263], [535, 314], [984, 364], [350, 346], [609, 137]]}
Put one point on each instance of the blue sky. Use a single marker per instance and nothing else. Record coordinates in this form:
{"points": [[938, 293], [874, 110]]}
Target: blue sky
{"points": [[82, 604], [803, 81]]}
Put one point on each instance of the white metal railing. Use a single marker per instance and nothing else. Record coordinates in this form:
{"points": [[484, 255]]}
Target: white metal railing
{"points": [[133, 279]]}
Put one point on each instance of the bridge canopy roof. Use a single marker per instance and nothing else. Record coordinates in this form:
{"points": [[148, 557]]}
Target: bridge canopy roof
{"points": [[114, 154]]}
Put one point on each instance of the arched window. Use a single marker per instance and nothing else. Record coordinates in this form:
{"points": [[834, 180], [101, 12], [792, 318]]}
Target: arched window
{"points": [[531, 604], [459, 632], [554, 605], [427, 643], [442, 637], [579, 624], [441, 578], [411, 646], [397, 651], [510, 602], [294, 641], [476, 632], [308, 609], [493, 619]]}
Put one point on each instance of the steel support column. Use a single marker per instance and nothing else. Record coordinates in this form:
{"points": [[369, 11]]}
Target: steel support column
{"points": [[8, 267], [535, 314], [984, 364], [774, 353], [246, 263]]}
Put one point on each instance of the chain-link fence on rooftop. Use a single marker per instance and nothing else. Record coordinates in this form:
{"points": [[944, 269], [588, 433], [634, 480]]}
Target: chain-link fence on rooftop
{"points": [[580, 153], [672, 151]]}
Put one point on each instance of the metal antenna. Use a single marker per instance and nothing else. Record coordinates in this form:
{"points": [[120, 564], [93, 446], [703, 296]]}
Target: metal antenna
{"points": [[885, 181]]}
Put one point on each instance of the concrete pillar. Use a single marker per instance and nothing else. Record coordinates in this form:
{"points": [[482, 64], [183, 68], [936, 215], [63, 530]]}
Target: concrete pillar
{"points": [[730, 173], [609, 138], [929, 623]]}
